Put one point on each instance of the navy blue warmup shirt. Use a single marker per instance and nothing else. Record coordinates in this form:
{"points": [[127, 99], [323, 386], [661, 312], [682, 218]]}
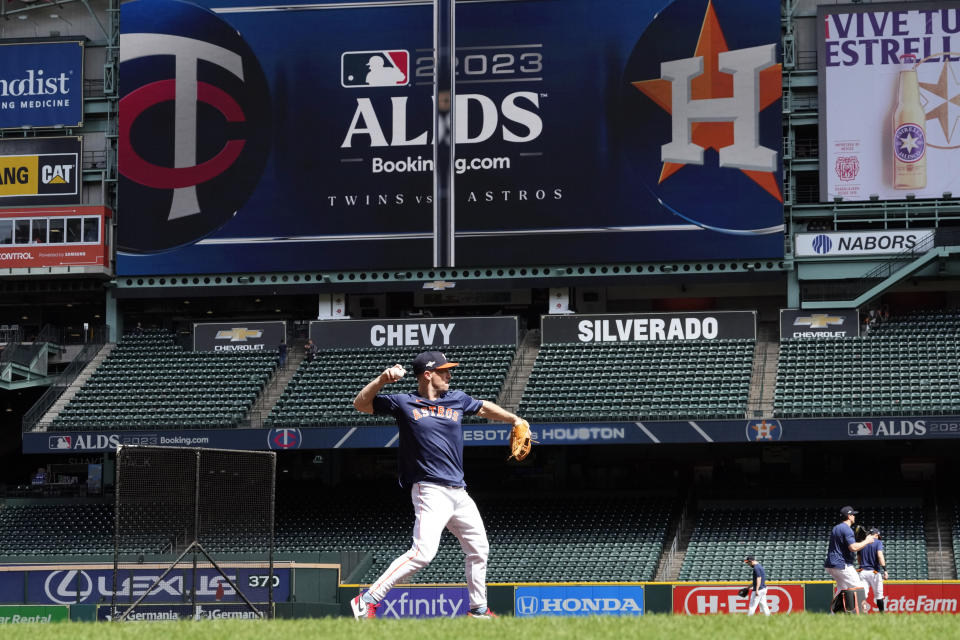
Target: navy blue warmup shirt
{"points": [[839, 554], [758, 572], [431, 435], [868, 556]]}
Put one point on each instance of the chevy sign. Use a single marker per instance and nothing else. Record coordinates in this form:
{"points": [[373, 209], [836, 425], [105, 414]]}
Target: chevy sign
{"points": [[41, 84]]}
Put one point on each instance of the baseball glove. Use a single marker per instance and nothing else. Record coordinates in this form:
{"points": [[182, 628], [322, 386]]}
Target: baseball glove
{"points": [[859, 532], [743, 593], [521, 440]]}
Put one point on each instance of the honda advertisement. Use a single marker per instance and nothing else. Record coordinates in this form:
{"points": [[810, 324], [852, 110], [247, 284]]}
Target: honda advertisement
{"points": [[713, 599], [96, 585], [240, 155], [888, 100], [239, 336], [428, 333], [582, 600], [41, 83], [649, 327]]}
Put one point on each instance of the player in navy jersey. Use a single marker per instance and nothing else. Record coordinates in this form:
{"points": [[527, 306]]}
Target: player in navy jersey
{"points": [[430, 422], [758, 587], [873, 568], [841, 556]]}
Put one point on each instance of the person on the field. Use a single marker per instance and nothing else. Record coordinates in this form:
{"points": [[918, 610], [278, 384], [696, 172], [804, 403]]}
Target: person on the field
{"points": [[873, 569], [841, 556], [758, 590]]}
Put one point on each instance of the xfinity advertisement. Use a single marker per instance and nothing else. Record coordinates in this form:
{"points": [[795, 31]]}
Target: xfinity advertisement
{"points": [[238, 154]]}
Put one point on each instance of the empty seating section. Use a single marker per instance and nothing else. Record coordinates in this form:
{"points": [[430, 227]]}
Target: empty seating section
{"points": [[905, 366], [651, 380], [63, 529], [956, 537], [321, 392], [791, 542], [148, 382], [569, 538]]}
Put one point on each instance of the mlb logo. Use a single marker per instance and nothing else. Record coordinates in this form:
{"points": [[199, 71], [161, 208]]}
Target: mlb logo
{"points": [[375, 68], [60, 442], [859, 428]]}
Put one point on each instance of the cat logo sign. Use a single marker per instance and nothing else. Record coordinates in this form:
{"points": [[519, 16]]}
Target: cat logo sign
{"points": [[39, 175]]}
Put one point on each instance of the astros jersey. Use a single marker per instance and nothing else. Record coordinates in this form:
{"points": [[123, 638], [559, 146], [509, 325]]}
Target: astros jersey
{"points": [[839, 554], [431, 435], [868, 556], [758, 572]]}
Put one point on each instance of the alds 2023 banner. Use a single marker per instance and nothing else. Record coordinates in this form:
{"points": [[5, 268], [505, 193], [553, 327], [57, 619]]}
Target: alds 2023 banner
{"points": [[257, 136]]}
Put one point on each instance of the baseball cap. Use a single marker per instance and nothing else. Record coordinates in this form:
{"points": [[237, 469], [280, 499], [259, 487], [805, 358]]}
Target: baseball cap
{"points": [[431, 361], [874, 531], [848, 510], [749, 559]]}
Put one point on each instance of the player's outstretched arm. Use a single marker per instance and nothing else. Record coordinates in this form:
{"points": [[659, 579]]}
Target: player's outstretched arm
{"points": [[364, 400], [495, 412]]}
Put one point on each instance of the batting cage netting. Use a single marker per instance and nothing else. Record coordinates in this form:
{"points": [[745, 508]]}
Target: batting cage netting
{"points": [[194, 534]]}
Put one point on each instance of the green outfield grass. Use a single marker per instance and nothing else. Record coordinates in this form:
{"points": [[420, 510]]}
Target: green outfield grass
{"points": [[801, 625]]}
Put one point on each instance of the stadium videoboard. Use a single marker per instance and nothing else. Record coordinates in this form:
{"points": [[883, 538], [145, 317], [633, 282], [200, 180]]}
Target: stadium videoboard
{"points": [[889, 100], [299, 137]]}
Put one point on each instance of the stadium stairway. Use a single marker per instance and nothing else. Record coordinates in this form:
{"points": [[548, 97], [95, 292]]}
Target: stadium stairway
{"points": [[938, 530], [763, 380], [681, 530], [275, 387], [71, 391], [519, 372]]}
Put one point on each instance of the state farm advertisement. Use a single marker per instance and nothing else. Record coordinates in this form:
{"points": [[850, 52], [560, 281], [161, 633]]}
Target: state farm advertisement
{"points": [[710, 599], [921, 597]]}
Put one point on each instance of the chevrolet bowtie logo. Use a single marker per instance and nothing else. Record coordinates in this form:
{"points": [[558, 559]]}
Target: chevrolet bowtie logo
{"points": [[818, 321], [238, 334]]}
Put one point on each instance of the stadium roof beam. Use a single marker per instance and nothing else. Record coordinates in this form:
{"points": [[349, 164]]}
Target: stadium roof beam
{"points": [[430, 278]]}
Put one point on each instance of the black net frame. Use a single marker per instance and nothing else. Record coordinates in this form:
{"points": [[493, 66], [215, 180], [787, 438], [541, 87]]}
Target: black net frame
{"points": [[176, 504]]}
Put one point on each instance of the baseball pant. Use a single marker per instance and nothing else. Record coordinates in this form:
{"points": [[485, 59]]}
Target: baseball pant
{"points": [[873, 580], [437, 507], [847, 578], [759, 598]]}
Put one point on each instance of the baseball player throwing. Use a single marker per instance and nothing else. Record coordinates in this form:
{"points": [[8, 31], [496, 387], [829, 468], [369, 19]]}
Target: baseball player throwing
{"points": [[431, 467], [873, 568]]}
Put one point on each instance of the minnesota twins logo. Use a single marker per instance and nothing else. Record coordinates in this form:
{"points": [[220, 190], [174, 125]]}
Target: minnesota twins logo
{"points": [[721, 106], [765, 430], [192, 137]]}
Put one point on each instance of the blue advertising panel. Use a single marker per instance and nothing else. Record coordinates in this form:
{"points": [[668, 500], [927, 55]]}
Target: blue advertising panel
{"points": [[288, 136], [41, 83], [95, 586], [498, 435], [11, 587], [612, 600], [424, 602]]}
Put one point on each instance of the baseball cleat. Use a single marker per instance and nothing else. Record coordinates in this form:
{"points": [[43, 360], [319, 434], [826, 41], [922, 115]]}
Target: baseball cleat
{"points": [[362, 608], [474, 613]]}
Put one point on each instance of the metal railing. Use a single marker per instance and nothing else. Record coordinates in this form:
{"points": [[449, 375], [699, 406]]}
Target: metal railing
{"points": [[97, 339], [852, 289]]}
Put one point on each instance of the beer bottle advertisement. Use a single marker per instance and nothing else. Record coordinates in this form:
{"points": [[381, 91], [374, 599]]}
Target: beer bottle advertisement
{"points": [[889, 102]]}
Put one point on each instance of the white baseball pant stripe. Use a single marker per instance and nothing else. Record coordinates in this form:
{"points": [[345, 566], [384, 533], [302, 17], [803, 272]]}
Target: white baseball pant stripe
{"points": [[437, 507], [847, 578], [875, 581], [759, 598]]}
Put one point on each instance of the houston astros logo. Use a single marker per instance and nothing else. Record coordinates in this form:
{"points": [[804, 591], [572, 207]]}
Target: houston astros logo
{"points": [[192, 138], [700, 116], [715, 98]]}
